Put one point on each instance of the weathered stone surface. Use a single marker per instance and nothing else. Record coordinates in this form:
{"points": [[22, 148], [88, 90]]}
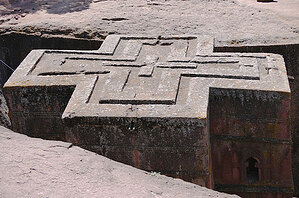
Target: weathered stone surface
{"points": [[247, 124], [264, 0], [32, 168], [153, 102], [4, 119], [290, 53]]}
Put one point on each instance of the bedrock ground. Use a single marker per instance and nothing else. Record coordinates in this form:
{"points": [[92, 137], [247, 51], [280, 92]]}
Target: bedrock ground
{"points": [[236, 21], [32, 167]]}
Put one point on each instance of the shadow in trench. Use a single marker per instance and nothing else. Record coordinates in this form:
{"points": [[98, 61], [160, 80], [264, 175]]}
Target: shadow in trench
{"points": [[51, 6]]}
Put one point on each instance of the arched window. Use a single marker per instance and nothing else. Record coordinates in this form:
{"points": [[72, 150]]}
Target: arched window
{"points": [[252, 170]]}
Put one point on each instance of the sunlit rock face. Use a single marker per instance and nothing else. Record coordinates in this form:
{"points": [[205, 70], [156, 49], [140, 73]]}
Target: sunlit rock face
{"points": [[167, 104]]}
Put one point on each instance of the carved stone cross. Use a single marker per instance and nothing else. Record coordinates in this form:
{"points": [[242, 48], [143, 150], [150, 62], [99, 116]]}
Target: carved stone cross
{"points": [[148, 101], [148, 71]]}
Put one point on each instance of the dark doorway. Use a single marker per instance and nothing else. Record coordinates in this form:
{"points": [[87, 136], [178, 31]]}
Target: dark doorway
{"points": [[252, 171]]}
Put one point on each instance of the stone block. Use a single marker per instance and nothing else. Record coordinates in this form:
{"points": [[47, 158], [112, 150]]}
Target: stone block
{"points": [[167, 104]]}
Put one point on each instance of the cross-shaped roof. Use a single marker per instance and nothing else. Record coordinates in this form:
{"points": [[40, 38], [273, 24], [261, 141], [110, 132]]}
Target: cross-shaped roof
{"points": [[148, 76]]}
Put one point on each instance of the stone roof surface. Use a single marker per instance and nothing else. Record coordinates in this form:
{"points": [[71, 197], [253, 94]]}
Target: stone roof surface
{"points": [[148, 76]]}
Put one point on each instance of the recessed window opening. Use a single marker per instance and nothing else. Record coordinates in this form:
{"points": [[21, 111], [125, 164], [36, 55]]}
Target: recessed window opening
{"points": [[132, 125], [252, 170]]}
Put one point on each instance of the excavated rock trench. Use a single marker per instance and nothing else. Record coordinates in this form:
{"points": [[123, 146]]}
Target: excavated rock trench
{"points": [[14, 47], [83, 24]]}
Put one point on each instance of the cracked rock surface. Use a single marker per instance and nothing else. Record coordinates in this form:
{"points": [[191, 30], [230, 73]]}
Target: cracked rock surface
{"points": [[4, 119], [226, 20], [32, 167]]}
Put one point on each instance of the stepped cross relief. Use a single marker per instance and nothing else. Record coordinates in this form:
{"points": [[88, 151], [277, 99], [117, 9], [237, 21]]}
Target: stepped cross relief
{"points": [[159, 76]]}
